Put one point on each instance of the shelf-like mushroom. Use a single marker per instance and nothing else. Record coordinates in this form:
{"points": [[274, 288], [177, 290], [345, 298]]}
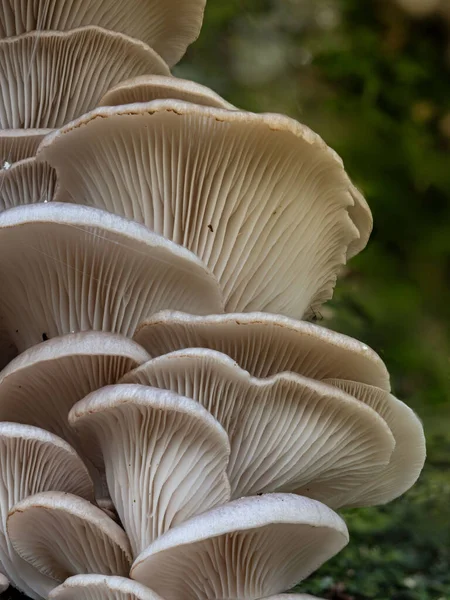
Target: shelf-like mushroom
{"points": [[249, 548], [61, 535], [68, 268], [287, 433], [26, 182], [260, 198], [34, 460], [265, 344], [71, 367], [146, 88], [409, 454], [168, 26], [102, 587], [165, 456], [52, 76]]}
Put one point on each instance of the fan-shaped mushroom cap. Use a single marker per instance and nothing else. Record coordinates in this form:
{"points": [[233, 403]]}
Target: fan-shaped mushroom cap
{"points": [[71, 367], [17, 144], [165, 456], [51, 77], [265, 344], [62, 535], [33, 460], [409, 454], [26, 182], [248, 549], [168, 26], [146, 88], [287, 433], [260, 199], [101, 587], [68, 268]]}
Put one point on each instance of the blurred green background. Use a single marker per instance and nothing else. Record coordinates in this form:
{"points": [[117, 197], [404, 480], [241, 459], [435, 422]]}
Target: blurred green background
{"points": [[372, 78]]}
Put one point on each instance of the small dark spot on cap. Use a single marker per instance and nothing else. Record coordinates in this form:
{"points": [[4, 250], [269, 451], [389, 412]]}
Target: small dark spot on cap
{"points": [[44, 337]]}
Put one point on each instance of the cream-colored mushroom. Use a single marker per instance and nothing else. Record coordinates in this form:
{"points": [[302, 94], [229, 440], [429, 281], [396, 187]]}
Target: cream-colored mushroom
{"points": [[409, 454], [26, 182], [146, 88], [50, 77], [287, 433], [68, 268], [101, 587], [42, 384], [34, 460], [265, 344], [260, 199], [249, 548], [165, 456], [61, 535], [169, 26]]}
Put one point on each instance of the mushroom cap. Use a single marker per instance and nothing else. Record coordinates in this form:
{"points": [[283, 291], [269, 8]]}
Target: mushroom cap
{"points": [[165, 456], [34, 460], [409, 454], [287, 433], [55, 76], [261, 199], [17, 144], [101, 587], [168, 26], [265, 344], [71, 367], [249, 548], [68, 268], [62, 535], [26, 182], [146, 88]]}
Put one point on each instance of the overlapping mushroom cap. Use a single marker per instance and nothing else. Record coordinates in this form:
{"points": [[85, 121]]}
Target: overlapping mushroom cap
{"points": [[201, 451], [169, 26], [260, 199]]}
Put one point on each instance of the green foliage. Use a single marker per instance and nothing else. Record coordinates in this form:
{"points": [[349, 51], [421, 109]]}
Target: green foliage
{"points": [[400, 551]]}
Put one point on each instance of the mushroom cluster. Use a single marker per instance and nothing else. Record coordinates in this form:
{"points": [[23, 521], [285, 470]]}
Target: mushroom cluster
{"points": [[171, 425]]}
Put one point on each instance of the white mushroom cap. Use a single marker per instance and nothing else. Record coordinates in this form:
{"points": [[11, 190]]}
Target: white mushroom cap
{"points": [[68, 268], [101, 587], [169, 26], [287, 433], [265, 344], [26, 182], [146, 88], [260, 199], [4, 583], [62, 535], [17, 144], [53, 76], [409, 454], [249, 548], [34, 460], [165, 456], [42, 384]]}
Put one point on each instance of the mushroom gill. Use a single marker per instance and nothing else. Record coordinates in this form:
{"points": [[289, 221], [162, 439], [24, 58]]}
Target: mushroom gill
{"points": [[170, 421]]}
